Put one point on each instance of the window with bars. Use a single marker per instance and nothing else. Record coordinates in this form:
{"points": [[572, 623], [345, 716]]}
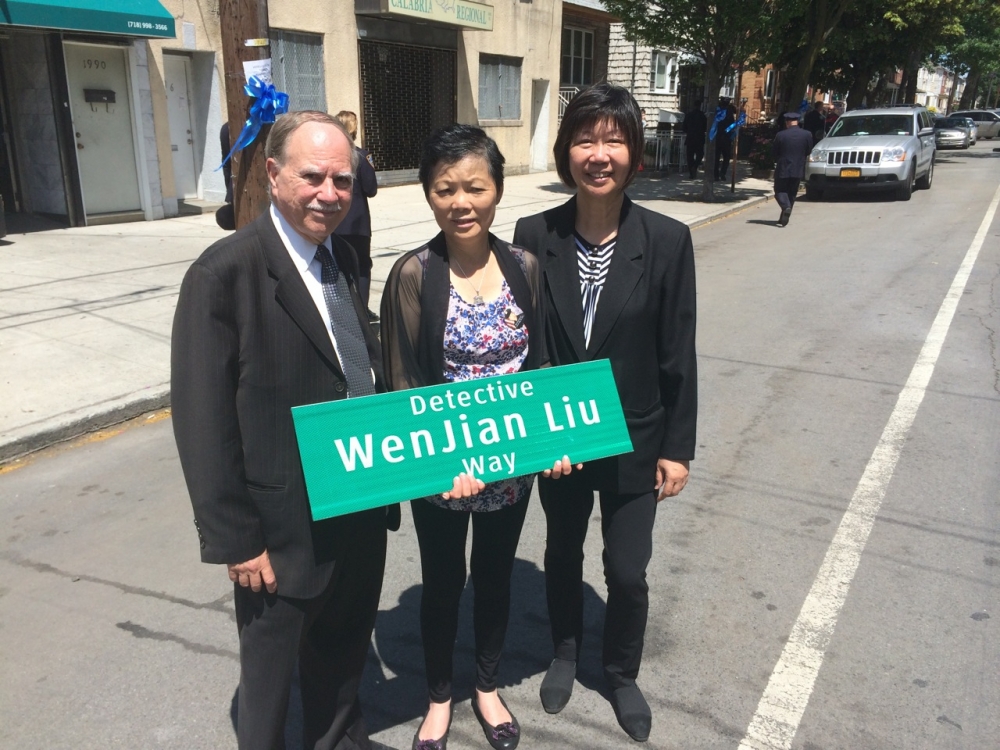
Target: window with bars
{"points": [[577, 57], [297, 68], [499, 88]]}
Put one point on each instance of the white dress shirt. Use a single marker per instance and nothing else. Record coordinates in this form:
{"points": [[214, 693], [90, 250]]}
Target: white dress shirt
{"points": [[303, 255]]}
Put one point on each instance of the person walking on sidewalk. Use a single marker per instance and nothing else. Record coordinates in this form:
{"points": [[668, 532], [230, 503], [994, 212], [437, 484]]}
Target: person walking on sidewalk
{"points": [[619, 285], [356, 227], [464, 306], [267, 319], [791, 148], [695, 126]]}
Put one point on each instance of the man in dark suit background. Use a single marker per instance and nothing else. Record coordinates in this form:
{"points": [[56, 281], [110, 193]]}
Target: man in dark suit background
{"points": [[270, 318], [791, 148], [695, 126]]}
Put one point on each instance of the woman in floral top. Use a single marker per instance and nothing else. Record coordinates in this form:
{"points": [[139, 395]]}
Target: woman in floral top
{"points": [[465, 306]]}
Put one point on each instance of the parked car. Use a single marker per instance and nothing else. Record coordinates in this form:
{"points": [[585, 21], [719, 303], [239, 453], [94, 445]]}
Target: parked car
{"points": [[987, 121], [874, 148], [952, 132], [971, 125]]}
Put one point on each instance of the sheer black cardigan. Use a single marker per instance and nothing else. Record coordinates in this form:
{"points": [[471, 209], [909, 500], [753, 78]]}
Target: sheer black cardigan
{"points": [[415, 310]]}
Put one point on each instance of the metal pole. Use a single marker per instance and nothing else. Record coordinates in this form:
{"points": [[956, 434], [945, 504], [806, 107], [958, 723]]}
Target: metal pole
{"points": [[245, 37]]}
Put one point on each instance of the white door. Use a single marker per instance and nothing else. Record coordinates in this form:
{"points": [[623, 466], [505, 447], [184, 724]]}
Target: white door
{"points": [[175, 74], [539, 125], [105, 149]]}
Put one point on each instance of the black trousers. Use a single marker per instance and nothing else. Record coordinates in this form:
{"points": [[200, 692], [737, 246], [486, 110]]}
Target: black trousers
{"points": [[441, 534], [723, 153], [785, 190], [627, 527], [695, 156], [328, 636]]}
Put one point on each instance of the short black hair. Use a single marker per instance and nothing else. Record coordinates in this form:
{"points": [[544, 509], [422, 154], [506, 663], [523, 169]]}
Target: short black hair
{"points": [[602, 102], [451, 144]]}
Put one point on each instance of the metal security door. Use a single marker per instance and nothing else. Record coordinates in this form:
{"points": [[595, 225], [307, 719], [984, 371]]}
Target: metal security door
{"points": [[101, 109], [175, 74], [407, 92]]}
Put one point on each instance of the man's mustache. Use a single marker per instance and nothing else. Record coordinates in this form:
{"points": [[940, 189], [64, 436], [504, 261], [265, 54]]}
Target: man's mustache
{"points": [[326, 208]]}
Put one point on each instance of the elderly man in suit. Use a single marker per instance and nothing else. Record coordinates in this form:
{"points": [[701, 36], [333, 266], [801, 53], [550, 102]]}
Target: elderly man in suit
{"points": [[791, 148], [270, 318]]}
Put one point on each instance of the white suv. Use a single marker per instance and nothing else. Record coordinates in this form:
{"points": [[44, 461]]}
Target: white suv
{"points": [[874, 148]]}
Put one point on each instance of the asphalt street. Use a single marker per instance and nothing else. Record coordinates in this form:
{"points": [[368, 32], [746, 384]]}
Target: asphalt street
{"points": [[832, 568]]}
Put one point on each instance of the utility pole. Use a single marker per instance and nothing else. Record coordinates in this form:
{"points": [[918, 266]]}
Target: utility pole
{"points": [[245, 37]]}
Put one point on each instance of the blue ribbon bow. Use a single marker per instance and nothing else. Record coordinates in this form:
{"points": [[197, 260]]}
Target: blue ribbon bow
{"points": [[739, 123], [720, 115], [270, 103]]}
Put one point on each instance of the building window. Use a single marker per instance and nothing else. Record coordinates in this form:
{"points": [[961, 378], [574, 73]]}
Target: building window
{"points": [[666, 73], [728, 89], [499, 88], [577, 57], [297, 68], [769, 83]]}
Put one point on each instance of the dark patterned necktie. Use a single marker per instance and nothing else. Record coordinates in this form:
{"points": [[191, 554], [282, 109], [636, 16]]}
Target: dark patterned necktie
{"points": [[346, 327]]}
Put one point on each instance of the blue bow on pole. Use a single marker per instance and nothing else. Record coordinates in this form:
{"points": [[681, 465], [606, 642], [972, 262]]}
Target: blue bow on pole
{"points": [[270, 103], [739, 123], [803, 107], [720, 115]]}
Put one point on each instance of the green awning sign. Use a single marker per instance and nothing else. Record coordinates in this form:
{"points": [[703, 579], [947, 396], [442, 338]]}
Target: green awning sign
{"points": [[361, 453], [145, 18]]}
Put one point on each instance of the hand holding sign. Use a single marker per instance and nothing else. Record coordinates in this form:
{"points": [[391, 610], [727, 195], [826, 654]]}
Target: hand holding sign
{"points": [[464, 485], [560, 468]]}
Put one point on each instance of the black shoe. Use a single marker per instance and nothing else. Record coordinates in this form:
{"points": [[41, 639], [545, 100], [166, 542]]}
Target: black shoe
{"points": [[372, 317], [633, 712], [786, 214], [502, 736], [557, 685], [441, 744]]}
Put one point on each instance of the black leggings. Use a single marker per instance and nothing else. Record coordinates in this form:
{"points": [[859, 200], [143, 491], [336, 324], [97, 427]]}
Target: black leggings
{"points": [[627, 527], [441, 534]]}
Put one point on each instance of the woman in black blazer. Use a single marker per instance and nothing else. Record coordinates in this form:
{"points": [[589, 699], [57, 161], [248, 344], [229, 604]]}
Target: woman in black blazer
{"points": [[619, 285]]}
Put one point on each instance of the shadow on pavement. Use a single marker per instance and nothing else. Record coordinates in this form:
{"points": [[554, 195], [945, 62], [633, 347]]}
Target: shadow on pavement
{"points": [[398, 694], [763, 222]]}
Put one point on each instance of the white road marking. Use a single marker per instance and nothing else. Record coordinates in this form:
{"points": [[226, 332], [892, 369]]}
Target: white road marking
{"points": [[780, 710]]}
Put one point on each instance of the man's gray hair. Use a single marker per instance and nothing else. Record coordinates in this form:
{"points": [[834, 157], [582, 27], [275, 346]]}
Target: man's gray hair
{"points": [[277, 140]]}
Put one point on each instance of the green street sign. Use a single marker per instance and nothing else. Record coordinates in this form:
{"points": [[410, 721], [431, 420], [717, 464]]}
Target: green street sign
{"points": [[361, 453]]}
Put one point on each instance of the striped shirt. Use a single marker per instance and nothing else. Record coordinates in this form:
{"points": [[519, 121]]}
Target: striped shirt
{"points": [[593, 261]]}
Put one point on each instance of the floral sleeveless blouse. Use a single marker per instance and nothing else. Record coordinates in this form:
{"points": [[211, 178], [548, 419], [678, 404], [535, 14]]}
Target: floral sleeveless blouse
{"points": [[479, 343]]}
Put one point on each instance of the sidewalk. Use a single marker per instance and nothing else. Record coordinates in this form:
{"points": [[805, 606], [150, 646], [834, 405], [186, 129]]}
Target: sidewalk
{"points": [[85, 313]]}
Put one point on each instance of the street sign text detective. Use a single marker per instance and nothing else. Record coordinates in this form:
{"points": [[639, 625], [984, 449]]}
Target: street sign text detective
{"points": [[360, 453]]}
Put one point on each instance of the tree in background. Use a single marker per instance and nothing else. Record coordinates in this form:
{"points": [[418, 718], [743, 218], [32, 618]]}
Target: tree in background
{"points": [[976, 54], [725, 33]]}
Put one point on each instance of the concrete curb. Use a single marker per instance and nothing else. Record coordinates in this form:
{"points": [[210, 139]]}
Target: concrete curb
{"points": [[99, 418], [732, 211]]}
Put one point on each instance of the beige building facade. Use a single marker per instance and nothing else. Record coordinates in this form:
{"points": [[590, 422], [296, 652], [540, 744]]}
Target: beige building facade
{"points": [[404, 66]]}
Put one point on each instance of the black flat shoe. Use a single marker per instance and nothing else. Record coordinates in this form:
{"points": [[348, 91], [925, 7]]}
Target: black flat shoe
{"points": [[557, 685], [632, 712], [441, 744], [502, 736]]}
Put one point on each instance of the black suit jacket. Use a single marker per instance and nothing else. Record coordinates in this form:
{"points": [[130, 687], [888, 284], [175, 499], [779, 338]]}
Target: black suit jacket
{"points": [[645, 326], [791, 148], [248, 345]]}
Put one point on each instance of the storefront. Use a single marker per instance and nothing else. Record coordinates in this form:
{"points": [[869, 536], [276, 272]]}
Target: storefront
{"points": [[76, 110], [408, 55]]}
